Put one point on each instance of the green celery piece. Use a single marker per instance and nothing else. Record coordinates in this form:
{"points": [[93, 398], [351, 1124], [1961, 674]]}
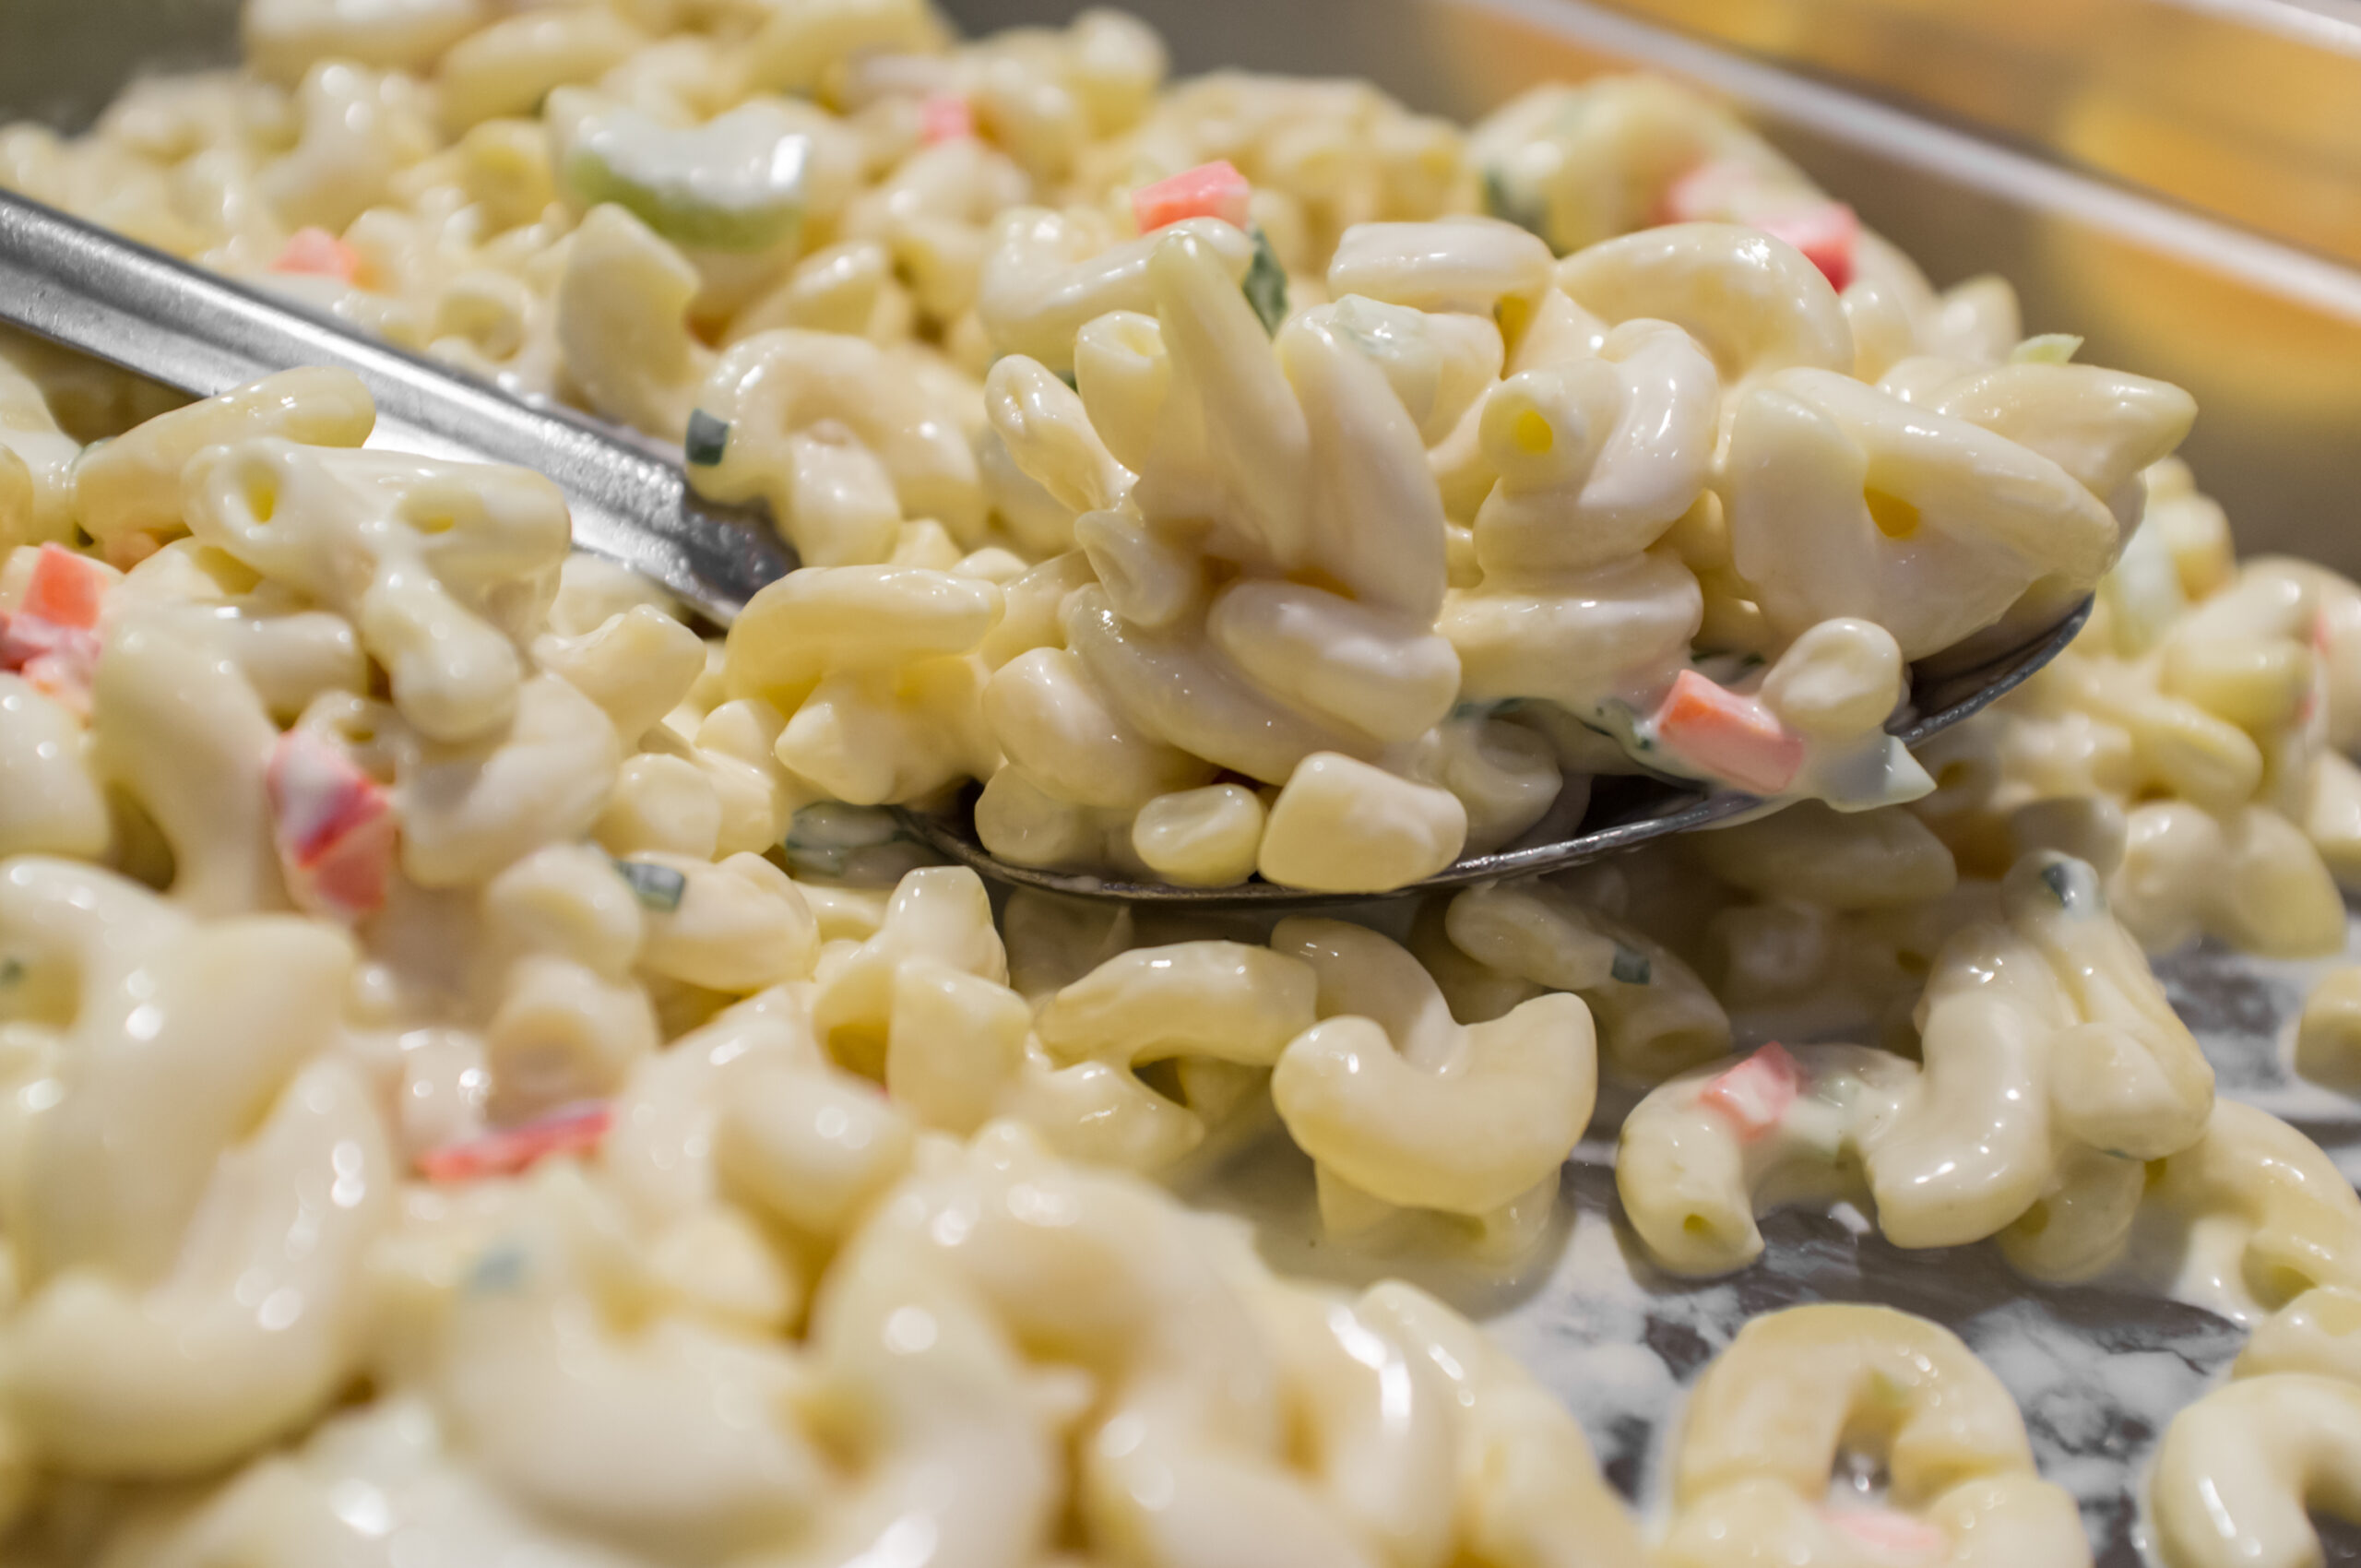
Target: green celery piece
{"points": [[2050, 347], [657, 887], [708, 438], [1631, 967], [735, 183], [1512, 206]]}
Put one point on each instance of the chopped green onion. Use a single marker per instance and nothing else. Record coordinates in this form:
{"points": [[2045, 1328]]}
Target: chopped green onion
{"points": [[657, 887], [1266, 283], [11, 971], [1631, 967], [1503, 203], [498, 1271], [2071, 883], [2050, 347], [708, 439]]}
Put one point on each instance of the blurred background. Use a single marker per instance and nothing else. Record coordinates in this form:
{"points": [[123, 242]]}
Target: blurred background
{"points": [[2179, 181]]}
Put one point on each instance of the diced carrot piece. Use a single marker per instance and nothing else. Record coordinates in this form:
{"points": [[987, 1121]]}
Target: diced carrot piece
{"points": [[318, 251], [1756, 1093], [945, 116], [66, 588], [1210, 190], [1730, 736], [576, 1130], [1826, 231], [335, 826], [1888, 1530]]}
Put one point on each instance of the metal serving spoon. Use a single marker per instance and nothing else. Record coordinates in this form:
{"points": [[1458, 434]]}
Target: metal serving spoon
{"points": [[1623, 811], [160, 318], [200, 333]]}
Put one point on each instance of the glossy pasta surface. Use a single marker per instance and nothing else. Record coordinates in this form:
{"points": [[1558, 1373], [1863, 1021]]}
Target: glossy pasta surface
{"points": [[485, 1085]]}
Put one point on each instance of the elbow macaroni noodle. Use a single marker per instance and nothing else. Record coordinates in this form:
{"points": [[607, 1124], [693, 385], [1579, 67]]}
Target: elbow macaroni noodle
{"points": [[483, 1083], [1769, 1417], [2052, 1068]]}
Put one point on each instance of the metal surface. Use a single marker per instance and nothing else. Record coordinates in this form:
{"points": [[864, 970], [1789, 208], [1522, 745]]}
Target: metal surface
{"points": [[193, 330], [2246, 109], [1626, 812]]}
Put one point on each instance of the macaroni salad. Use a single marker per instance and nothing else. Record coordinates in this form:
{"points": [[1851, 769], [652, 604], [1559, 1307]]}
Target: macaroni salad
{"points": [[1311, 522], [484, 1084]]}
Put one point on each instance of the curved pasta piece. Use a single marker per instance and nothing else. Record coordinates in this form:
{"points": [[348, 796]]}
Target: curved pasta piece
{"points": [[1465, 265], [1596, 643], [50, 798], [1048, 275], [1175, 687], [107, 1377], [2053, 1067], [1754, 303], [1189, 1392], [623, 305], [284, 38], [810, 422], [1845, 501], [2240, 1470], [1225, 1000], [1533, 1493], [1374, 521], [1690, 1171], [443, 568], [2105, 427], [2254, 1213], [1598, 457], [1765, 1423], [1051, 721], [132, 484], [1655, 1017], [666, 1432], [1401, 1103], [183, 1038]]}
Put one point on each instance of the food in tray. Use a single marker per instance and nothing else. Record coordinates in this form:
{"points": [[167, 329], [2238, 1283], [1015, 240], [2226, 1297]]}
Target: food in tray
{"points": [[484, 1082]]}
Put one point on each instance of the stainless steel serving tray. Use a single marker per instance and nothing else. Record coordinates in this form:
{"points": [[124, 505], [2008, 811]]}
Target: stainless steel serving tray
{"points": [[1979, 138]]}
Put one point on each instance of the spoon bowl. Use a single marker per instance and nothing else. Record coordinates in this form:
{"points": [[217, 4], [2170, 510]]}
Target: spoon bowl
{"points": [[1624, 812]]}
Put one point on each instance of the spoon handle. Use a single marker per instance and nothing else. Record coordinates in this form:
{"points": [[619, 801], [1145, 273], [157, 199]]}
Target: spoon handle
{"points": [[200, 333]]}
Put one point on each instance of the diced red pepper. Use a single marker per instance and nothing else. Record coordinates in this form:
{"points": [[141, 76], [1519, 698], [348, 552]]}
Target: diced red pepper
{"points": [[318, 252], [945, 116], [66, 588], [1756, 1093], [575, 1130], [1826, 231], [1729, 735], [52, 639], [1730, 192], [334, 824], [1210, 190], [1889, 1531], [58, 661]]}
